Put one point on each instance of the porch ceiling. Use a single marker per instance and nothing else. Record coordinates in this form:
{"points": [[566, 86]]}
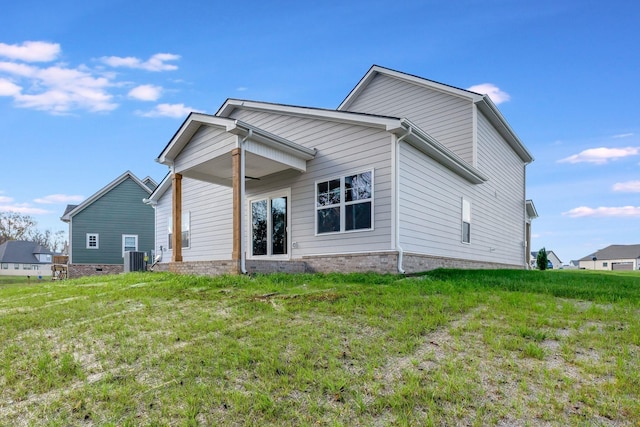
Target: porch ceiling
{"points": [[219, 170]]}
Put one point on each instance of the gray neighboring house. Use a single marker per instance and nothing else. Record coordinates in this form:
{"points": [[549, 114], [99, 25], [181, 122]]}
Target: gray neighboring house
{"points": [[406, 175], [551, 257], [110, 222], [24, 258], [613, 257]]}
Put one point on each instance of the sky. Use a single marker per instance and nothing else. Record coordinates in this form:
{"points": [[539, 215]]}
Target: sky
{"points": [[89, 90]]}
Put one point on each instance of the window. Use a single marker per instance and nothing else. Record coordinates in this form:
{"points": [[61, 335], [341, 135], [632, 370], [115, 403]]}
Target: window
{"points": [[605, 264], [186, 231], [16, 266], [466, 221], [345, 204], [93, 241], [5, 266], [269, 226], [129, 243], [26, 266]]}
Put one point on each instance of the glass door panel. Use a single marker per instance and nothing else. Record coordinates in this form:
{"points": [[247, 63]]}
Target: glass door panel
{"points": [[279, 226]]}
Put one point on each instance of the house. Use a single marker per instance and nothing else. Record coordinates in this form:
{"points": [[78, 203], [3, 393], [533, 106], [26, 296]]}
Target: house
{"points": [[613, 257], [109, 223], [23, 258], [406, 175], [553, 260]]}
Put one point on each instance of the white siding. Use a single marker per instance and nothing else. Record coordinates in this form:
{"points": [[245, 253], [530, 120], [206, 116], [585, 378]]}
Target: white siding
{"points": [[430, 204], [448, 118], [341, 149], [210, 208], [208, 142]]}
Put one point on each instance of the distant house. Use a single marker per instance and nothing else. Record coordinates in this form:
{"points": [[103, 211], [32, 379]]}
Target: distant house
{"points": [[553, 259], [23, 258], [614, 257], [406, 175], [109, 223]]}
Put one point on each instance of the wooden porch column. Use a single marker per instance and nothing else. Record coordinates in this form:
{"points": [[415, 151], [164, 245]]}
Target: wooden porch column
{"points": [[176, 209], [236, 158]]}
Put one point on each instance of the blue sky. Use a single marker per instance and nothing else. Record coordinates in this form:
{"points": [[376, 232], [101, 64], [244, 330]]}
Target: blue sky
{"points": [[89, 90]]}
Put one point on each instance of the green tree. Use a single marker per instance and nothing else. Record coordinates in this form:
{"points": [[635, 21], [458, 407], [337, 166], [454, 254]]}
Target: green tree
{"points": [[542, 260]]}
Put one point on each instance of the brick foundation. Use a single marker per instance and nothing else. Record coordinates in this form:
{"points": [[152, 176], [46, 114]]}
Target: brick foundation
{"points": [[79, 270], [376, 262]]}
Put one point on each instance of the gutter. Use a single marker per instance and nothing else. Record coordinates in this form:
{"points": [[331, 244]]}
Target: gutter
{"points": [[397, 192], [243, 255]]}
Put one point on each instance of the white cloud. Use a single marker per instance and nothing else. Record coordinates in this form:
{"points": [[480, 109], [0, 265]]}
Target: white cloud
{"points": [[623, 135], [620, 212], [627, 187], [242, 89], [156, 63], [601, 155], [497, 96], [59, 90], [145, 93], [23, 208], [8, 88], [168, 110], [5, 199], [31, 51], [59, 199]]}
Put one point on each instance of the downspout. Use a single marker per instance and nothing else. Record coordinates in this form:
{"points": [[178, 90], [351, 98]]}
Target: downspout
{"points": [[397, 192], [243, 255]]}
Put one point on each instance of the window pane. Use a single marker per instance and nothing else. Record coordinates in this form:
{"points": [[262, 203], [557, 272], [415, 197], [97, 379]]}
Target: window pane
{"points": [[358, 216], [466, 232], [279, 226], [259, 227], [185, 238], [328, 193], [357, 187], [329, 220]]}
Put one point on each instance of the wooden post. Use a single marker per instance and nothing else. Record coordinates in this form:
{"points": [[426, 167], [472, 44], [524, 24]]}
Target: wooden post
{"points": [[236, 158], [176, 233]]}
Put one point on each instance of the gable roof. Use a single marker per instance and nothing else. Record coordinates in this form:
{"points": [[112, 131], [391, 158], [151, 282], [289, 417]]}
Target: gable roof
{"points": [[72, 210], [401, 127], [615, 252], [162, 188], [22, 252], [194, 121], [483, 102]]}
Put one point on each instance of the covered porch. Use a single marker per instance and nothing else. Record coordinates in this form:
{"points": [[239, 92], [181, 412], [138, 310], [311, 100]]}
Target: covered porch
{"points": [[226, 152]]}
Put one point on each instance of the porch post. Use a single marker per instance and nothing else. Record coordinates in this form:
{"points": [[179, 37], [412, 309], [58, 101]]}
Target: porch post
{"points": [[236, 159], [176, 208]]}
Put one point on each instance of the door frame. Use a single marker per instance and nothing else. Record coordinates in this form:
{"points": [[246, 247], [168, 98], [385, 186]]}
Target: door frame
{"points": [[286, 192]]}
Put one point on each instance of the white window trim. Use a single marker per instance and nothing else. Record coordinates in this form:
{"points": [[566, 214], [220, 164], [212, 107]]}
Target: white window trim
{"points": [[124, 237], [268, 196], [465, 218], [97, 236], [343, 204]]}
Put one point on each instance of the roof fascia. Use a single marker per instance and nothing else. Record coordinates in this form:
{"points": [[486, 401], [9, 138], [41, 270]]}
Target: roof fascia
{"points": [[531, 209], [104, 190], [496, 118], [188, 128], [434, 149], [386, 123], [420, 81], [162, 188]]}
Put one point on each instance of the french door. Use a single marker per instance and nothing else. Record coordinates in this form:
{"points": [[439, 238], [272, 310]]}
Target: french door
{"points": [[270, 226]]}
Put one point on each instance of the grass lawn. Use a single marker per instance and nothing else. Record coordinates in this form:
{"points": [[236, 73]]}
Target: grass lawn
{"points": [[445, 348]]}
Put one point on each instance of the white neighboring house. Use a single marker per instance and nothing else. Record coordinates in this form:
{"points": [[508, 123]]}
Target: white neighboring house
{"points": [[613, 257], [551, 258], [406, 175], [24, 258]]}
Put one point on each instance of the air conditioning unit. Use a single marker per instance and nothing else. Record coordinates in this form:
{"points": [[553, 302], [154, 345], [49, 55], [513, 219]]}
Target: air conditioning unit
{"points": [[134, 261]]}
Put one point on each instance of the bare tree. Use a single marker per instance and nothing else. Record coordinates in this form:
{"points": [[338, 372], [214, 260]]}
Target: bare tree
{"points": [[15, 226]]}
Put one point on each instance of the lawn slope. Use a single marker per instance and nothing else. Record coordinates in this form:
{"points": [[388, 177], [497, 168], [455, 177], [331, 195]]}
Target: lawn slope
{"points": [[448, 347]]}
